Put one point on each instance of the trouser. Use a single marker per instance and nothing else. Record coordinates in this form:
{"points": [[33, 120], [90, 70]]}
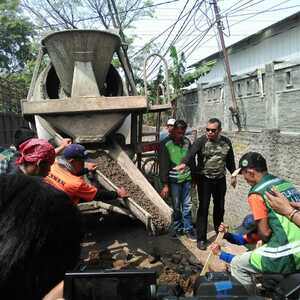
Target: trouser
{"points": [[241, 269], [206, 188], [182, 206]]}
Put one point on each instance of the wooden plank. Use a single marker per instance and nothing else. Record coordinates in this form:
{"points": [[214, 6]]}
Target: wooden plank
{"points": [[210, 255], [84, 104], [159, 107]]}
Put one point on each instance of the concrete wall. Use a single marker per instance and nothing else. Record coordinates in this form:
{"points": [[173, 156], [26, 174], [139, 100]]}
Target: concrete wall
{"points": [[267, 98], [187, 107], [282, 152]]}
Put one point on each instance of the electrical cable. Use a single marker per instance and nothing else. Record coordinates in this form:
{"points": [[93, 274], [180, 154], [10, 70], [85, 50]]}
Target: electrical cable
{"points": [[243, 20], [262, 11], [158, 36], [169, 34], [243, 6], [174, 40]]}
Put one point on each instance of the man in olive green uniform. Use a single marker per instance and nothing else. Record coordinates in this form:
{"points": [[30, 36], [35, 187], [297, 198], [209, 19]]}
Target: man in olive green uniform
{"points": [[215, 155]]}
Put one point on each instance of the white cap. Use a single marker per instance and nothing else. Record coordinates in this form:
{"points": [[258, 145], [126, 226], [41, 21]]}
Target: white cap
{"points": [[171, 122]]}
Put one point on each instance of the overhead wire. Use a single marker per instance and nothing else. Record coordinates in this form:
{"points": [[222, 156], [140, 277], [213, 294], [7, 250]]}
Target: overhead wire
{"points": [[179, 32], [243, 6], [263, 11], [243, 20], [169, 34], [197, 44], [158, 36], [253, 16]]}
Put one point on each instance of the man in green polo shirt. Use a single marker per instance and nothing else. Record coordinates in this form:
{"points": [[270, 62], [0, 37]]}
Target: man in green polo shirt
{"points": [[178, 184], [280, 252]]}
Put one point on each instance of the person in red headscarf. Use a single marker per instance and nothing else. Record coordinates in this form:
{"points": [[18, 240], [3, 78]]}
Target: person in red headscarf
{"points": [[36, 158]]}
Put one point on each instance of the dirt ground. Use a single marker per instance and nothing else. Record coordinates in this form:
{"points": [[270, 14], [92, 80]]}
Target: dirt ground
{"points": [[119, 243], [123, 244]]}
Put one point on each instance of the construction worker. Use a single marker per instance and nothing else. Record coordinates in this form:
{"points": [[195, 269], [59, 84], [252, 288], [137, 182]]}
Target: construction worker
{"points": [[172, 150], [9, 156], [36, 158], [280, 252], [40, 231], [66, 175], [215, 155]]}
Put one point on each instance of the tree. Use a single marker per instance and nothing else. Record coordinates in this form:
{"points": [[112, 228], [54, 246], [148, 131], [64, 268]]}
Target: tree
{"points": [[16, 34], [95, 14], [66, 14], [199, 71], [177, 71]]}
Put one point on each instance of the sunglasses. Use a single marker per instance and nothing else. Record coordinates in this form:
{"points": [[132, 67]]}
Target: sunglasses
{"points": [[213, 130]]}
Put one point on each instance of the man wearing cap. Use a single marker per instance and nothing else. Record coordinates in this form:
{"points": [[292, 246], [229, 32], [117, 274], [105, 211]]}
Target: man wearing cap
{"points": [[36, 158], [169, 127], [215, 155], [281, 250], [66, 174]]}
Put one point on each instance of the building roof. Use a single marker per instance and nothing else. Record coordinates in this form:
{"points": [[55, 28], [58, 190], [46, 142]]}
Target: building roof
{"points": [[272, 30]]}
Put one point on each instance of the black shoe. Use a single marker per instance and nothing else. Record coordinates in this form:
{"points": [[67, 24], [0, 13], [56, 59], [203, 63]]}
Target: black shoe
{"points": [[191, 235], [202, 245]]}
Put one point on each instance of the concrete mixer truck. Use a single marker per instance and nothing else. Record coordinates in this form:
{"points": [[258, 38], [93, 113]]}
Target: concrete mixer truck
{"points": [[81, 95]]}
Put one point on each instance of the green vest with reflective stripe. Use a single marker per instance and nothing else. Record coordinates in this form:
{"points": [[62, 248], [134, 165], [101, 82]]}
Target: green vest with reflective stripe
{"points": [[281, 254], [176, 154]]}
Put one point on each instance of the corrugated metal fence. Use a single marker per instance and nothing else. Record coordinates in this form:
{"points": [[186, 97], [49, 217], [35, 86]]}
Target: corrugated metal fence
{"points": [[9, 123], [10, 110]]}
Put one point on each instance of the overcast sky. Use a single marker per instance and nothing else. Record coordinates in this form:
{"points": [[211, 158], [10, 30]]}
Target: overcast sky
{"points": [[241, 18]]}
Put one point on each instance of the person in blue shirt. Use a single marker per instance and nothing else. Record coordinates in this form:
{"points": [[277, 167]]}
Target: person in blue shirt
{"points": [[247, 234]]}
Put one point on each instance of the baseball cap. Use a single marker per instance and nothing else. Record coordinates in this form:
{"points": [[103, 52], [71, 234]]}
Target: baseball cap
{"points": [[251, 160], [75, 151], [171, 122]]}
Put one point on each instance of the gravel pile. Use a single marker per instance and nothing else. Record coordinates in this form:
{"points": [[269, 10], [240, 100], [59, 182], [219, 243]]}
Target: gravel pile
{"points": [[114, 173]]}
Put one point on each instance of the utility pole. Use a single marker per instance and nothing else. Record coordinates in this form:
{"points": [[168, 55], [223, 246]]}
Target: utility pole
{"points": [[234, 108]]}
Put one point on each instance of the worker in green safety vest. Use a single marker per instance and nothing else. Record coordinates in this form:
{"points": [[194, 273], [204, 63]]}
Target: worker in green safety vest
{"points": [[280, 252]]}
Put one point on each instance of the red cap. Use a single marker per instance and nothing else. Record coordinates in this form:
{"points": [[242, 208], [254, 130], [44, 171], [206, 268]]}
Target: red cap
{"points": [[35, 150]]}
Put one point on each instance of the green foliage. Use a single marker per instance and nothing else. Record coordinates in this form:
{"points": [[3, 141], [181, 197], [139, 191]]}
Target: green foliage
{"points": [[16, 34], [199, 71], [177, 70], [155, 88]]}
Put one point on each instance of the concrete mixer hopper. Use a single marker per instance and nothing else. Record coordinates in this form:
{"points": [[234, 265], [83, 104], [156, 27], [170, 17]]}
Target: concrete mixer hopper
{"points": [[80, 95]]}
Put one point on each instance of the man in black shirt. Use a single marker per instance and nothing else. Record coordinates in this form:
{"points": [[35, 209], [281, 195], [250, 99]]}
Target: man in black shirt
{"points": [[215, 155]]}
